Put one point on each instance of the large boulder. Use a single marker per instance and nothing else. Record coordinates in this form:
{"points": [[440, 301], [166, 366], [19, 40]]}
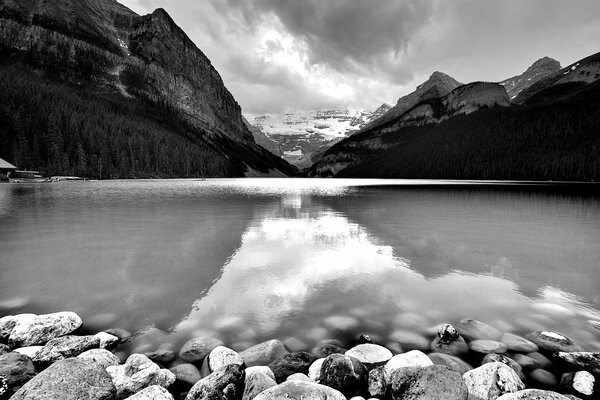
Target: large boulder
{"points": [[582, 360], [100, 356], [371, 355], [300, 390], [257, 381], [533, 394], [30, 329], [226, 383], [450, 361], [290, 364], [263, 353], [413, 358], [491, 381], [137, 373], [435, 382], [472, 329], [195, 350], [346, 374], [553, 342], [17, 369], [64, 347], [70, 379], [218, 358], [154, 392]]}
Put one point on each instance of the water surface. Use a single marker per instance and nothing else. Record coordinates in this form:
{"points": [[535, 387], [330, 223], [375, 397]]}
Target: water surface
{"points": [[252, 259]]}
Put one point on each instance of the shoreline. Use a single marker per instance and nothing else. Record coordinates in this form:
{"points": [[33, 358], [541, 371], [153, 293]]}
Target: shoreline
{"points": [[39, 352]]}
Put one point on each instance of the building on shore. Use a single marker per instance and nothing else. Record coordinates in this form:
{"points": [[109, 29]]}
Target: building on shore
{"points": [[6, 169]]}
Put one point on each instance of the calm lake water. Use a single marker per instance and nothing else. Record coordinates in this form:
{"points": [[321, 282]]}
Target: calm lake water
{"points": [[253, 259]]}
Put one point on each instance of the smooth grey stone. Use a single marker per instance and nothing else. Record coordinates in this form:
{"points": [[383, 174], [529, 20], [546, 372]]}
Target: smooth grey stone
{"points": [[257, 381], [17, 369], [472, 329], [553, 341], [518, 344], [543, 378], [450, 361], [263, 353], [487, 346], [154, 392], [195, 350]]}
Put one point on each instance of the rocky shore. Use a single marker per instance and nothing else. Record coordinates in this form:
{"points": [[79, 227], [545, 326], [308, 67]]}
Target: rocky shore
{"points": [[48, 357]]}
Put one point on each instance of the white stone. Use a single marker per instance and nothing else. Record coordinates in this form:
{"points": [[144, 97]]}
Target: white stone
{"points": [[314, 371], [154, 392], [107, 340], [100, 356], [414, 358], [584, 382]]}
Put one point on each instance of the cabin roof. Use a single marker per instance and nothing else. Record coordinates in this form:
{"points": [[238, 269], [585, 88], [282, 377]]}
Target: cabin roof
{"points": [[6, 165]]}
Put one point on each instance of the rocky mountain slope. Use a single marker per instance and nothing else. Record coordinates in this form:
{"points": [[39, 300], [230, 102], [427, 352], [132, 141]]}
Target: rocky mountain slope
{"points": [[539, 70], [474, 132], [107, 48]]}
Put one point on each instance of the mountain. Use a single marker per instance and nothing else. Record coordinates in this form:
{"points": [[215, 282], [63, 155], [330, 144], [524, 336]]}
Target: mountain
{"points": [[539, 70], [438, 85], [140, 68], [301, 136], [474, 132]]}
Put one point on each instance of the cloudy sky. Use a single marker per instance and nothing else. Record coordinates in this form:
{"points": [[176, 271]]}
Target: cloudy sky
{"points": [[285, 55]]}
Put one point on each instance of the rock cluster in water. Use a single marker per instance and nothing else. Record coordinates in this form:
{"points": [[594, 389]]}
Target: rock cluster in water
{"points": [[44, 356]]}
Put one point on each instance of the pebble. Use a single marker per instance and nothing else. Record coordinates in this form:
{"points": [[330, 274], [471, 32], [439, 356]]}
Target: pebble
{"points": [[472, 329], [491, 381], [553, 342], [410, 340], [543, 378], [195, 350], [263, 353], [163, 357], [487, 346], [450, 361], [377, 382], [371, 355], [519, 344]]}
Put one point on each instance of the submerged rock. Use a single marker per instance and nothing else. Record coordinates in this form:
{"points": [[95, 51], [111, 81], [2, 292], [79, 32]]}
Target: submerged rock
{"points": [[195, 350], [70, 379], [226, 383], [341, 323], [435, 382], [371, 355], [410, 340], [325, 349], [290, 364], [517, 343], [263, 353], [137, 373], [472, 329], [345, 374], [543, 378], [492, 380], [553, 342], [450, 361], [17, 369], [300, 390], [487, 346], [30, 329], [186, 375]]}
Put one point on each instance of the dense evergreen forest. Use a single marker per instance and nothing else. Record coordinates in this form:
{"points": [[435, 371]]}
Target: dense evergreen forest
{"points": [[554, 136], [61, 129]]}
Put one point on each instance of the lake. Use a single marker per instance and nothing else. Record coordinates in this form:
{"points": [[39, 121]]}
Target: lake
{"points": [[247, 260]]}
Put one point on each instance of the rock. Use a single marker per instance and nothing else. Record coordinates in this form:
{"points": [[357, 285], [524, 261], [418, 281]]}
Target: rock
{"points": [[410, 340], [137, 373], [533, 394], [229, 325], [413, 358], [263, 369], [491, 381], [489, 358], [107, 341], [517, 343], [580, 383], [226, 383], [64, 347], [220, 357], [263, 353], [345, 374], [446, 333], [300, 390], [455, 348], [17, 369], [357, 398], [101, 356], [450, 361], [341, 324], [543, 378], [195, 350], [365, 339], [314, 371], [326, 349], [186, 375], [163, 357], [290, 364], [553, 342], [3, 387], [122, 334], [29, 351], [594, 324], [377, 383], [4, 349], [13, 303], [298, 377], [295, 344], [476, 330], [582, 360], [435, 382], [30, 329], [154, 392], [69, 379], [257, 381], [487, 346], [370, 355]]}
